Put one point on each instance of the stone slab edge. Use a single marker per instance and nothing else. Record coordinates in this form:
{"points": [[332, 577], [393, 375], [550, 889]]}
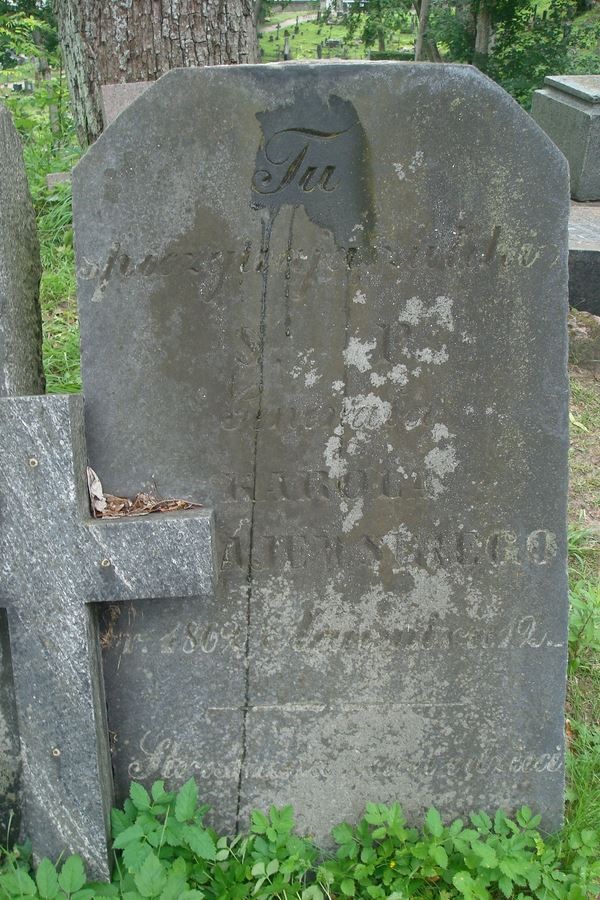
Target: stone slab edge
{"points": [[576, 86]]}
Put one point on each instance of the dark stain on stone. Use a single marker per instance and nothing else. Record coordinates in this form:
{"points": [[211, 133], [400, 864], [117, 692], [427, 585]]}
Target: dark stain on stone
{"points": [[316, 155]]}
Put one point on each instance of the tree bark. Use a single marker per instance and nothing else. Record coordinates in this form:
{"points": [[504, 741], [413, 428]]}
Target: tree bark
{"points": [[108, 41], [483, 36], [425, 48]]}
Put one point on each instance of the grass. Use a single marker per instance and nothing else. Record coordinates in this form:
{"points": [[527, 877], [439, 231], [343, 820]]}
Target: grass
{"points": [[57, 293], [304, 40], [287, 15], [584, 499], [303, 43], [583, 690], [48, 151]]}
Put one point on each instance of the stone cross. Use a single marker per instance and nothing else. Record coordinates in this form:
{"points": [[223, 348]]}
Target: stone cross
{"points": [[56, 562]]}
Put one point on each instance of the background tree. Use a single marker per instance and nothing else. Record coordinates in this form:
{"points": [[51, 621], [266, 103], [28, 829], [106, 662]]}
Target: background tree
{"points": [[374, 20], [425, 43], [26, 27], [475, 31], [528, 46], [107, 41]]}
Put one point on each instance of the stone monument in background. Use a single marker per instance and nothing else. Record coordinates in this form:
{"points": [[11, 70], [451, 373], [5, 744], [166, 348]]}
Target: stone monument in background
{"points": [[568, 109]]}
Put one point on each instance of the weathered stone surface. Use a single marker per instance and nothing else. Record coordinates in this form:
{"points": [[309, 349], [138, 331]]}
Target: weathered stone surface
{"points": [[117, 97], [337, 313], [56, 561], [584, 257], [20, 373], [55, 178], [10, 762], [568, 109], [20, 322]]}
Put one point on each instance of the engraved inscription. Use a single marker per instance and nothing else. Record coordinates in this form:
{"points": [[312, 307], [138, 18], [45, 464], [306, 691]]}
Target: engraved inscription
{"points": [[500, 548], [309, 151], [521, 634], [210, 269], [301, 486], [170, 758], [193, 638], [290, 154]]}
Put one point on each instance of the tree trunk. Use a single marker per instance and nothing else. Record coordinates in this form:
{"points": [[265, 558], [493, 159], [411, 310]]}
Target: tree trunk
{"points": [[420, 43], [108, 41], [483, 36]]}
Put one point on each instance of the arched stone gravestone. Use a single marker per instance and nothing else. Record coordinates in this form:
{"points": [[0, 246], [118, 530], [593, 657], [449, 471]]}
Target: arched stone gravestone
{"points": [[329, 300]]}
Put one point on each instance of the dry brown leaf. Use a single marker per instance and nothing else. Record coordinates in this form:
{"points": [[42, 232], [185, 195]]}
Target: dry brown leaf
{"points": [[97, 499], [106, 506]]}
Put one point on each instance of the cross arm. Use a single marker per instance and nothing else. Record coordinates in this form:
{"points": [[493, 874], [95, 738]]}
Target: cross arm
{"points": [[56, 562], [157, 556]]}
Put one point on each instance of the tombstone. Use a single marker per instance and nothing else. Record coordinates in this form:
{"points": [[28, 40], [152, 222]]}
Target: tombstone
{"points": [[568, 109], [57, 561], [116, 97], [20, 373], [584, 257], [287, 51], [348, 336], [54, 178]]}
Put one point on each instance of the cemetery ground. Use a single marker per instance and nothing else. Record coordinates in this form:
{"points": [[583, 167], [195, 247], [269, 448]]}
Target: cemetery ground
{"points": [[305, 36], [271, 854]]}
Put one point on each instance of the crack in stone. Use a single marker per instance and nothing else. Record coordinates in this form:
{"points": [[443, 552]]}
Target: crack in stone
{"points": [[267, 227]]}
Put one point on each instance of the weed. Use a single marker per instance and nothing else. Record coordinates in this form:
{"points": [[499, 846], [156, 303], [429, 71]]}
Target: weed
{"points": [[164, 850]]}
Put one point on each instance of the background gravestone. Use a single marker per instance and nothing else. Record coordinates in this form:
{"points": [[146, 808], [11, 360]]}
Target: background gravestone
{"points": [[568, 109], [337, 314], [584, 257], [20, 373], [116, 97]]}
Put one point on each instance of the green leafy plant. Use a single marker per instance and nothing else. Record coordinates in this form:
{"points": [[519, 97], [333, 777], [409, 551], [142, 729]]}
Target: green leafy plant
{"points": [[381, 857], [164, 850], [164, 846], [66, 882]]}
